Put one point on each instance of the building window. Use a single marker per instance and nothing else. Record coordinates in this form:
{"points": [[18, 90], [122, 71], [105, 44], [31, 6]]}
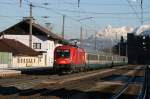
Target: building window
{"points": [[36, 45], [24, 61], [30, 60], [18, 60], [27, 60], [21, 60]]}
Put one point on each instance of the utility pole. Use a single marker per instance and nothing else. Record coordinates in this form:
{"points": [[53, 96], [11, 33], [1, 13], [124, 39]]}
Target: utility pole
{"points": [[126, 49], [78, 3], [141, 12], [86, 33], [118, 41], [81, 36], [110, 46], [20, 3], [95, 41], [119, 45], [119, 48], [63, 26], [30, 27]]}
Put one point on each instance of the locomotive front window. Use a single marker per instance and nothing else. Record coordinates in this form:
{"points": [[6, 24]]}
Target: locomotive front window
{"points": [[63, 53]]}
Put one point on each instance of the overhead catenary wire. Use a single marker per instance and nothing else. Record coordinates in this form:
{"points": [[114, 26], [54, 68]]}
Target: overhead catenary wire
{"points": [[56, 11], [62, 11], [88, 12], [135, 12], [74, 11], [83, 12], [73, 17], [60, 14], [8, 3], [83, 3]]}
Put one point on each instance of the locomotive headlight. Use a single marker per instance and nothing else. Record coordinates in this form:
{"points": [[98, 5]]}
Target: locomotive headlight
{"points": [[55, 60], [69, 60]]}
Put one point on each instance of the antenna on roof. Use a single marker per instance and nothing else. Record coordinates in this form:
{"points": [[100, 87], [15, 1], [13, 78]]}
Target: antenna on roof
{"points": [[48, 26]]}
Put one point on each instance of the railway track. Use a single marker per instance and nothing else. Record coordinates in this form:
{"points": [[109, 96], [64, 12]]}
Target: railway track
{"points": [[142, 93], [100, 84], [122, 88], [73, 83], [121, 91], [27, 82], [145, 91]]}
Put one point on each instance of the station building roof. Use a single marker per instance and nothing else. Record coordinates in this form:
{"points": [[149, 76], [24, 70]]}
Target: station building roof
{"points": [[16, 48], [22, 28]]}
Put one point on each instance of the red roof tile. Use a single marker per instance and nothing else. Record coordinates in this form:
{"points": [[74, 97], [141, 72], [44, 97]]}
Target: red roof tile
{"points": [[16, 47]]}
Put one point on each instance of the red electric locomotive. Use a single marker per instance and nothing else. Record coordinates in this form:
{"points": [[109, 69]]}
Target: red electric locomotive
{"points": [[69, 58]]}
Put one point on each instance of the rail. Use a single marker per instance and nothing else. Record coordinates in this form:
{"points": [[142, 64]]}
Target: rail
{"points": [[121, 91], [144, 91]]}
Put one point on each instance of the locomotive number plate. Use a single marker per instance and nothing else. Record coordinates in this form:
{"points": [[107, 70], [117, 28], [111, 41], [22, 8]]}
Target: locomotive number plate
{"points": [[62, 62]]}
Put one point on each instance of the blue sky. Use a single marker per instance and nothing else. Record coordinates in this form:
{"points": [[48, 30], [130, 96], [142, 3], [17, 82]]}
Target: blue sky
{"points": [[92, 15]]}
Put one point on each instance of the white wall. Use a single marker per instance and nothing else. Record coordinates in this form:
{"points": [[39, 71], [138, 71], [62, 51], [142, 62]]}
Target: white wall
{"points": [[50, 53], [25, 40], [27, 61], [4, 66]]}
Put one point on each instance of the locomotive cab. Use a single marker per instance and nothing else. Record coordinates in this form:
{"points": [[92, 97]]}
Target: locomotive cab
{"points": [[62, 58], [68, 58]]}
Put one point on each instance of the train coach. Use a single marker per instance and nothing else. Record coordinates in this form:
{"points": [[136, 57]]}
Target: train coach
{"points": [[74, 59], [101, 60]]}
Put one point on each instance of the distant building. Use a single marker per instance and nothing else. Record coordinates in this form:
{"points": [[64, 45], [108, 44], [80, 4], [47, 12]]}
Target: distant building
{"points": [[120, 48], [43, 40]]}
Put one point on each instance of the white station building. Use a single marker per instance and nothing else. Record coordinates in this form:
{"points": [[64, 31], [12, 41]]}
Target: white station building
{"points": [[43, 40]]}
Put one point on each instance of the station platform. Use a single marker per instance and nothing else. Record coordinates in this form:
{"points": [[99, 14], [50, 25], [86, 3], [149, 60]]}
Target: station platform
{"points": [[9, 73]]}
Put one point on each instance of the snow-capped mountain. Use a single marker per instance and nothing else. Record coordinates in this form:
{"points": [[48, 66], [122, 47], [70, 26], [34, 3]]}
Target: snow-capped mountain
{"points": [[144, 29], [114, 33], [107, 37]]}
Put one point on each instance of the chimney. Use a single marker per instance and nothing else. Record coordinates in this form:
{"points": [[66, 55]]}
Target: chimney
{"points": [[48, 26]]}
